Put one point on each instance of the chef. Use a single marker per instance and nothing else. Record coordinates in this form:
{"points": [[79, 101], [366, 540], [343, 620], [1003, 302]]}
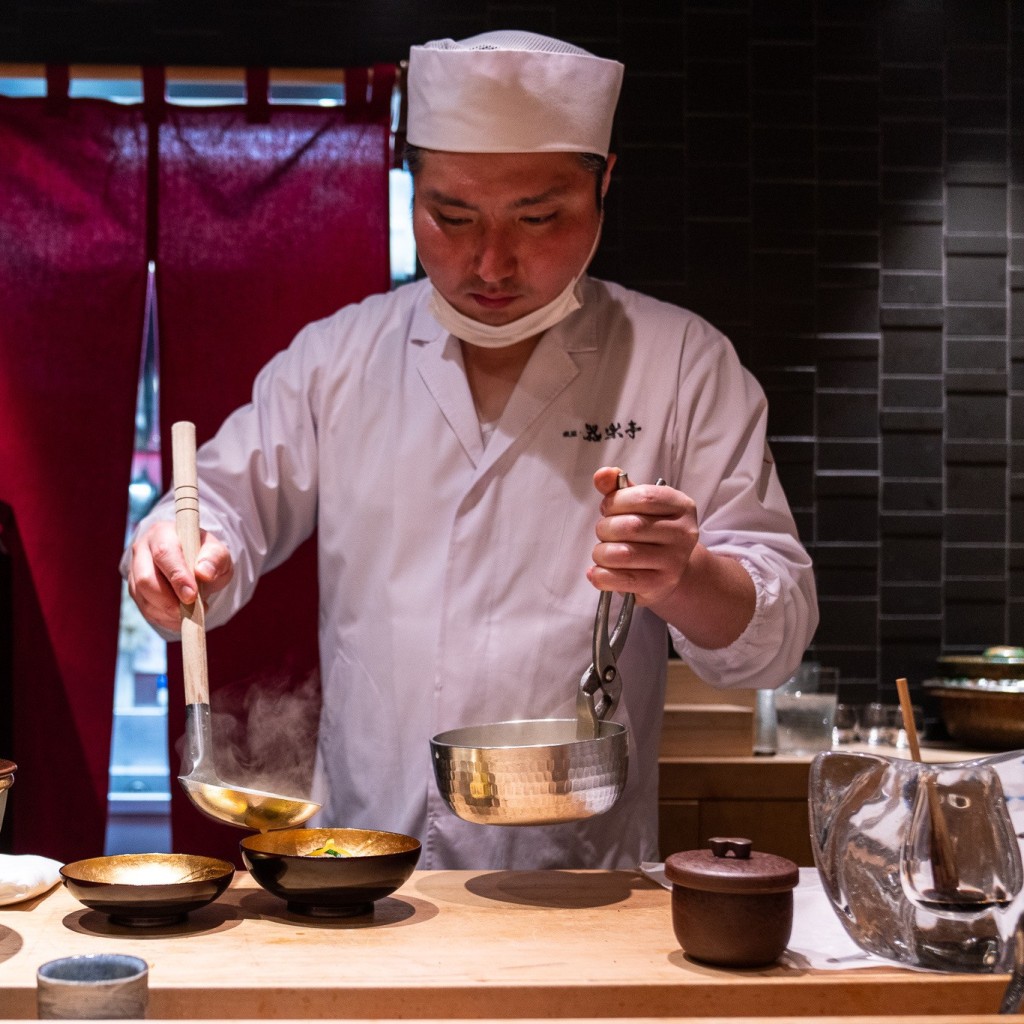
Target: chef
{"points": [[456, 444]]}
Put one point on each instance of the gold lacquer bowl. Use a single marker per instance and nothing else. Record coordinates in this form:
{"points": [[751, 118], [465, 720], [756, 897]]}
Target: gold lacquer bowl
{"points": [[367, 866], [147, 889]]}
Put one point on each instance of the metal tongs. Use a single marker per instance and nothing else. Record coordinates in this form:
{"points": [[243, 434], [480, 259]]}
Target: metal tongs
{"points": [[601, 685]]}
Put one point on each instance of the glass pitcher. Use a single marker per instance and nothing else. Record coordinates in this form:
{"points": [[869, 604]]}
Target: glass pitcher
{"points": [[922, 862]]}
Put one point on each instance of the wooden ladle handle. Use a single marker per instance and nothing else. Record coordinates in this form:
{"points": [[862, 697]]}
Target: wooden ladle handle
{"points": [[186, 521]]}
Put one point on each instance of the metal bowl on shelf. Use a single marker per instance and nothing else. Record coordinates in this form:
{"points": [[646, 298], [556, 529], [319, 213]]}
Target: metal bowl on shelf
{"points": [[981, 697], [982, 713], [1000, 662]]}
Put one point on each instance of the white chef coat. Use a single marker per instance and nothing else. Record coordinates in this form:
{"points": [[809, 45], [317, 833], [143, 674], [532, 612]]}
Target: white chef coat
{"points": [[452, 575]]}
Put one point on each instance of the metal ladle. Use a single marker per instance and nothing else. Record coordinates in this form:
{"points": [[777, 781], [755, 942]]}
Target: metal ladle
{"points": [[236, 805]]}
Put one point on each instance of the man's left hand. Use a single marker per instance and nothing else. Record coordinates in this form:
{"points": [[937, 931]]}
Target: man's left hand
{"points": [[646, 535]]}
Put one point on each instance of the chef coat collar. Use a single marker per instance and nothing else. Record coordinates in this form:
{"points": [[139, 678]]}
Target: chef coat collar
{"points": [[553, 366]]}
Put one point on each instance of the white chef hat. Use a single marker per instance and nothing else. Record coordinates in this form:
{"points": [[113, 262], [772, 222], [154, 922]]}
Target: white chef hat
{"points": [[510, 92]]}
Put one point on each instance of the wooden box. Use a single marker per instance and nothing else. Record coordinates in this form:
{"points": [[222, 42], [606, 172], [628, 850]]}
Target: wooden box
{"points": [[684, 686], [707, 730]]}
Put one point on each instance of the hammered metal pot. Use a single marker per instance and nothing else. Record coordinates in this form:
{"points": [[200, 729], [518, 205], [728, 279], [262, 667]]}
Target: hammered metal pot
{"points": [[532, 772]]}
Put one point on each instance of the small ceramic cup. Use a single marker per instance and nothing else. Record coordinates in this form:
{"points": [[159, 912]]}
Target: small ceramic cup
{"points": [[97, 986]]}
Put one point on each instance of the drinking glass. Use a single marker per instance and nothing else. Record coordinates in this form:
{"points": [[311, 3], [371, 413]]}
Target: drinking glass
{"points": [[805, 707], [846, 728], [878, 724]]}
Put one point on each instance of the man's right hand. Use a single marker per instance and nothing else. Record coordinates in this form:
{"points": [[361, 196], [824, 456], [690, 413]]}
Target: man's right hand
{"points": [[159, 580]]}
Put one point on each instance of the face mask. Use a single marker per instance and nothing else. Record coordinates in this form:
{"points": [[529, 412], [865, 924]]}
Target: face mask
{"points": [[487, 336]]}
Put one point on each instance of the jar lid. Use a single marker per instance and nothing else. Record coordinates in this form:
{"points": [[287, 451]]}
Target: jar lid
{"points": [[731, 865]]}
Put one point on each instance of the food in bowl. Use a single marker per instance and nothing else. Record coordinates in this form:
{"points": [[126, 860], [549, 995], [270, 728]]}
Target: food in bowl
{"points": [[329, 849], [289, 864]]}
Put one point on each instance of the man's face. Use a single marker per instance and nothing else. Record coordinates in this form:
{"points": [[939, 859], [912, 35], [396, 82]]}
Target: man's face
{"points": [[502, 234]]}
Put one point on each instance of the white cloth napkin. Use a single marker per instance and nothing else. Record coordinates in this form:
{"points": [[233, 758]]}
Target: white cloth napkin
{"points": [[25, 875], [819, 940]]}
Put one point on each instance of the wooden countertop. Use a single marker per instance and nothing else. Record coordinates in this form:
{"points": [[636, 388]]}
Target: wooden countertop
{"points": [[915, 1018], [453, 944]]}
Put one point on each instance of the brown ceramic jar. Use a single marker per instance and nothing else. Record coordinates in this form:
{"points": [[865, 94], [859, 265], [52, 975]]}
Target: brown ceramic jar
{"points": [[732, 906]]}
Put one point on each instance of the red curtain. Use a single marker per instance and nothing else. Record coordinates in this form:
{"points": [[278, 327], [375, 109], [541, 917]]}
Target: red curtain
{"points": [[72, 289], [260, 220], [267, 220]]}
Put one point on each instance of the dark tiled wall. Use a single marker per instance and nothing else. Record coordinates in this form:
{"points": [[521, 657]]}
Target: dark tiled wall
{"points": [[839, 184]]}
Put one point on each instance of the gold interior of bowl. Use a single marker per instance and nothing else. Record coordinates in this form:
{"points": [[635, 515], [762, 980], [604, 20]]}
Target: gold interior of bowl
{"points": [[7, 770], [357, 842], [147, 869]]}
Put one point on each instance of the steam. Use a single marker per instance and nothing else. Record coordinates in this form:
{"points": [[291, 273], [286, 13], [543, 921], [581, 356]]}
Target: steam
{"points": [[264, 734]]}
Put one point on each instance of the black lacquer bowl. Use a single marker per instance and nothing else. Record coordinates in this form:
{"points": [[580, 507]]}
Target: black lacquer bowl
{"points": [[373, 865], [147, 889]]}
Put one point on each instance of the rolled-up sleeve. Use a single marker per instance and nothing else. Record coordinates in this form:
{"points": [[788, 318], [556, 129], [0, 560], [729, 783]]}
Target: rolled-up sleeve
{"points": [[725, 465], [258, 475]]}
